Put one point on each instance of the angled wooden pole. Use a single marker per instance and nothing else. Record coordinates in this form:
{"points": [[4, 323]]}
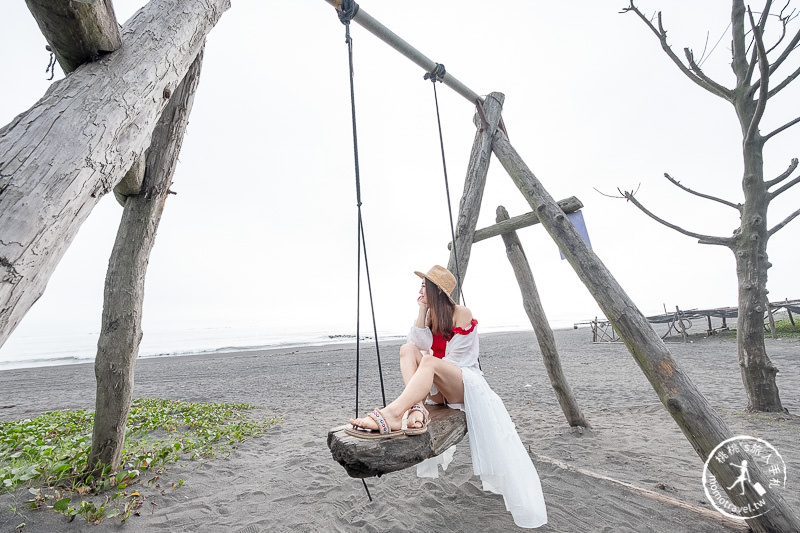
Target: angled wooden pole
{"points": [[474, 184], [568, 205], [700, 423], [77, 32], [121, 330], [544, 334], [58, 161]]}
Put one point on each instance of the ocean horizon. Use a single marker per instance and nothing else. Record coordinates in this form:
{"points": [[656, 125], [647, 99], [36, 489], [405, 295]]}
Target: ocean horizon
{"points": [[53, 349]]}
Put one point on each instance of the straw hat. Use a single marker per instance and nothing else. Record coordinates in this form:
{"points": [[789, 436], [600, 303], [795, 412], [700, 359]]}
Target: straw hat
{"points": [[442, 278]]}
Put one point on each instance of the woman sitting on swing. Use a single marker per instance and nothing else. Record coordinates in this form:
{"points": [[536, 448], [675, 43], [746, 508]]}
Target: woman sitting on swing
{"points": [[439, 364]]}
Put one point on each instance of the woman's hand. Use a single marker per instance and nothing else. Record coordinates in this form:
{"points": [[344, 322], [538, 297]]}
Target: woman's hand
{"points": [[422, 316]]}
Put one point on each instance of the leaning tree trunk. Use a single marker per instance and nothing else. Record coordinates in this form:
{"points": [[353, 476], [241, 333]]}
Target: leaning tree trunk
{"points": [[700, 423], [61, 156], [544, 334], [750, 250], [121, 329]]}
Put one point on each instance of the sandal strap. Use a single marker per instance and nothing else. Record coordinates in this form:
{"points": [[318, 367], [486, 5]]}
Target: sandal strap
{"points": [[382, 424], [421, 409]]}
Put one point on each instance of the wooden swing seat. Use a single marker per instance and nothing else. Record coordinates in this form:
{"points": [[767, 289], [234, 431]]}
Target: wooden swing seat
{"points": [[363, 458]]}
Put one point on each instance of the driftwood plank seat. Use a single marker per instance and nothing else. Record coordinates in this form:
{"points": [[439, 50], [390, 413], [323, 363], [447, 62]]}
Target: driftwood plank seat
{"points": [[363, 458]]}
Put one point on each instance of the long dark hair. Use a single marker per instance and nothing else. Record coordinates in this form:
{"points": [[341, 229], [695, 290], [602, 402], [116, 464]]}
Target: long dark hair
{"points": [[442, 309]]}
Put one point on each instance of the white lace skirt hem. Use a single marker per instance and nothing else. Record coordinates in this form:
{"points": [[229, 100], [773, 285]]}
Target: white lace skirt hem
{"points": [[498, 455]]}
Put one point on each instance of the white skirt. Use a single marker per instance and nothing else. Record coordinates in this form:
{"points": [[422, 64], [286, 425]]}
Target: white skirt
{"points": [[498, 455]]}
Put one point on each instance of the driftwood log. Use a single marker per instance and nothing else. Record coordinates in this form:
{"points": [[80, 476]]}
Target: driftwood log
{"points": [[363, 458], [74, 145], [77, 32], [568, 205], [475, 182], [131, 184], [544, 334], [121, 330], [703, 427]]}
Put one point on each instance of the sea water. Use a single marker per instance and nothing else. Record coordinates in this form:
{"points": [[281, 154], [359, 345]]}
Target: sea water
{"points": [[26, 348]]}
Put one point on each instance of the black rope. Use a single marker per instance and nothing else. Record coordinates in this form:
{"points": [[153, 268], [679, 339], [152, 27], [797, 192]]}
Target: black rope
{"points": [[350, 11], [347, 10], [437, 74], [51, 64]]}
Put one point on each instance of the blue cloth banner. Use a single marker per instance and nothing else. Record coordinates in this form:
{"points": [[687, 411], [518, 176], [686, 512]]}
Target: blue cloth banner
{"points": [[577, 220]]}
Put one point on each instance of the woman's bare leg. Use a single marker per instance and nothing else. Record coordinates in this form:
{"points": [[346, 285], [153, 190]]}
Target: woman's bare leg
{"points": [[447, 377], [410, 357]]}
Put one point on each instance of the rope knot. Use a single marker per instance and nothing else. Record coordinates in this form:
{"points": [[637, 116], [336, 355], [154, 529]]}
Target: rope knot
{"points": [[437, 74], [347, 10]]}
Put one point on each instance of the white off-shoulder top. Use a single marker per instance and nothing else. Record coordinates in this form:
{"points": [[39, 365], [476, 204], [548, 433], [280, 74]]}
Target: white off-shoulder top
{"points": [[462, 349]]}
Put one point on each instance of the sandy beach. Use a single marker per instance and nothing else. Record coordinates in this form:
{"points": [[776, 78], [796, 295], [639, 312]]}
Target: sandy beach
{"points": [[633, 471]]}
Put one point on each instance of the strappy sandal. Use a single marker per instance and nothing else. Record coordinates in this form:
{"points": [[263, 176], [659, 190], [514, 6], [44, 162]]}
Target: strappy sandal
{"points": [[382, 432], [426, 416]]}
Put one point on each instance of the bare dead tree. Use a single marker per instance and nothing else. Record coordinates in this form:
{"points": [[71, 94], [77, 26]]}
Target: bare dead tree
{"points": [[753, 65]]}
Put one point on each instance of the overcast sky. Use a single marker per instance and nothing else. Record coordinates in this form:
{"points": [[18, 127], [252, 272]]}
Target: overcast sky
{"points": [[263, 228]]}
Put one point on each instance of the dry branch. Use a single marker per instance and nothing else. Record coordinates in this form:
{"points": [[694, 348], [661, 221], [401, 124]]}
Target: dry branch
{"points": [[781, 128], [784, 175], [763, 96], [703, 239], [783, 223], [696, 76], [677, 183], [786, 186]]}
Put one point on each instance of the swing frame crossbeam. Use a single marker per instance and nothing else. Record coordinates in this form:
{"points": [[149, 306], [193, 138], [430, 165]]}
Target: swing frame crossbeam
{"points": [[369, 23]]}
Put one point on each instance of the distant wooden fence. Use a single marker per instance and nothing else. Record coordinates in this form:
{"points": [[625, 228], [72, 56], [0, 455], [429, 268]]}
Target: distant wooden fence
{"points": [[679, 321]]}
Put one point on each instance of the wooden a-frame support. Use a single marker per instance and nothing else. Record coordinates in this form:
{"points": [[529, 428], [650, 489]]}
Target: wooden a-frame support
{"points": [[703, 427], [80, 33], [488, 119], [371, 457]]}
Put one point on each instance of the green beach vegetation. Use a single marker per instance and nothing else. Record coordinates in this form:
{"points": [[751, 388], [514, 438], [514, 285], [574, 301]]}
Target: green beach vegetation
{"points": [[783, 328], [48, 454]]}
